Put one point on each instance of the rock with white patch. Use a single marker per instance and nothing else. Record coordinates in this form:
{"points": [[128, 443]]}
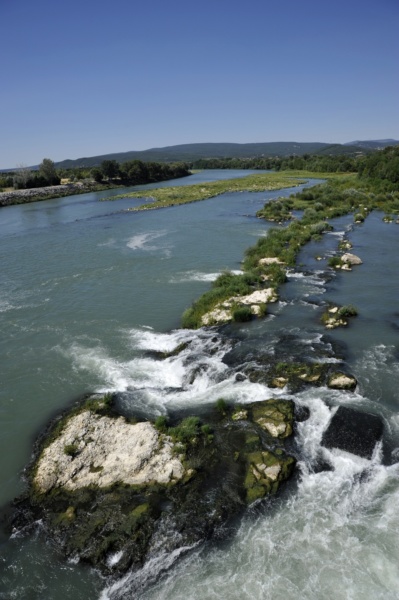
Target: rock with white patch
{"points": [[95, 450]]}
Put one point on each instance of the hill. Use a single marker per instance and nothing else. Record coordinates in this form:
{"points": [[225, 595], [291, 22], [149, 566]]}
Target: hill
{"points": [[373, 144], [194, 152], [191, 152]]}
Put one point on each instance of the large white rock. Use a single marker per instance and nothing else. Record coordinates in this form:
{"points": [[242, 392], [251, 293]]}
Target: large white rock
{"points": [[218, 315], [351, 259], [272, 260], [257, 297], [340, 381], [107, 451], [222, 312]]}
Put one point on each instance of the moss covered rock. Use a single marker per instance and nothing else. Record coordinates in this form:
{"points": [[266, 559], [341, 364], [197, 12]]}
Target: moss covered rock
{"points": [[126, 481], [274, 416]]}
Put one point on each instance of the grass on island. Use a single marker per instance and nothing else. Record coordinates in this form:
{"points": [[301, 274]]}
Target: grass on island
{"points": [[340, 195], [172, 196]]}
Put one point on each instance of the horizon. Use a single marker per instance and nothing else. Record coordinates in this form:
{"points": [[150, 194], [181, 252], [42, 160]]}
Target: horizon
{"points": [[33, 166], [144, 77]]}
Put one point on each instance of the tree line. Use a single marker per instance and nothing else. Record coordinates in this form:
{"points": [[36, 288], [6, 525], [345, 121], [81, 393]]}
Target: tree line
{"points": [[133, 172], [307, 162], [381, 164]]}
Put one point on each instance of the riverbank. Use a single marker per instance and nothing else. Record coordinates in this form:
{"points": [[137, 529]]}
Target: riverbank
{"points": [[51, 191], [60, 191]]}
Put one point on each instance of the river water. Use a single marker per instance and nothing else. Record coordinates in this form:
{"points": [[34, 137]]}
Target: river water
{"points": [[87, 289]]}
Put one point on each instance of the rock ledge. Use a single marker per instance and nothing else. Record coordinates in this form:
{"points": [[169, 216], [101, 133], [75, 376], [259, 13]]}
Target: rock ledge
{"points": [[100, 450]]}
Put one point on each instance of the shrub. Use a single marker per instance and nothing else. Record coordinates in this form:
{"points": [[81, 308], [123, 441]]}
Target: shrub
{"points": [[347, 311], [241, 314], [276, 273], [221, 406], [335, 262], [189, 320], [320, 227], [262, 309], [186, 430], [71, 449], [161, 423], [206, 429]]}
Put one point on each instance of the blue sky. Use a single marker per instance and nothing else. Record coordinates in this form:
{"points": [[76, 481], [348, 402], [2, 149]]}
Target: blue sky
{"points": [[82, 78]]}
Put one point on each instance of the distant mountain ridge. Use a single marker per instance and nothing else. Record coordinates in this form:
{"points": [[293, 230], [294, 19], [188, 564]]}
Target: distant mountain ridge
{"points": [[192, 152], [373, 144]]}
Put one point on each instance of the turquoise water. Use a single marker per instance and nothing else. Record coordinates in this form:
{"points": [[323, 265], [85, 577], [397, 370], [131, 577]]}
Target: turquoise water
{"points": [[87, 289]]}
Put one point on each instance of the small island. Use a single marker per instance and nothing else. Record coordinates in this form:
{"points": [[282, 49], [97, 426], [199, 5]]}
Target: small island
{"points": [[105, 486]]}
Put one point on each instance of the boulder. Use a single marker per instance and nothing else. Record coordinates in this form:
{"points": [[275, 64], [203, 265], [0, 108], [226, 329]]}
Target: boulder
{"points": [[271, 260], [341, 381], [274, 416], [103, 486], [222, 313], [101, 451], [218, 315], [353, 431], [351, 259]]}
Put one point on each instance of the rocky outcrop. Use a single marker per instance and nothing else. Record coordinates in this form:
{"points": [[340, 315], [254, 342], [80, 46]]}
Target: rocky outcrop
{"points": [[45, 193], [336, 316], [353, 431], [293, 375], [332, 319], [351, 259], [100, 451], [341, 381], [224, 311], [106, 487], [273, 260], [216, 316]]}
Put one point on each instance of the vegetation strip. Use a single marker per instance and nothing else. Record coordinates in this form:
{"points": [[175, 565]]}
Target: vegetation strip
{"points": [[265, 263], [172, 196]]}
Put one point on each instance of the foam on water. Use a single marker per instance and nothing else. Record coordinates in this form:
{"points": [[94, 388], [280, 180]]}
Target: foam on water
{"points": [[312, 278], [331, 537], [142, 241], [379, 369], [196, 375], [338, 234], [149, 573], [119, 375], [330, 533], [199, 276], [380, 358], [113, 559]]}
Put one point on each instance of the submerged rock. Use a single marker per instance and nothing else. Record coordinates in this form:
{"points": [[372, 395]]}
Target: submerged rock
{"points": [[353, 431], [294, 375], [336, 316], [105, 487]]}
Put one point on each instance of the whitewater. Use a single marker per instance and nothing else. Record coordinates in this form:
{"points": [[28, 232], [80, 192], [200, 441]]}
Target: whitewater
{"points": [[90, 292]]}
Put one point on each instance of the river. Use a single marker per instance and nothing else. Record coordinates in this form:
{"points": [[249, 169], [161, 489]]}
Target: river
{"points": [[87, 289]]}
